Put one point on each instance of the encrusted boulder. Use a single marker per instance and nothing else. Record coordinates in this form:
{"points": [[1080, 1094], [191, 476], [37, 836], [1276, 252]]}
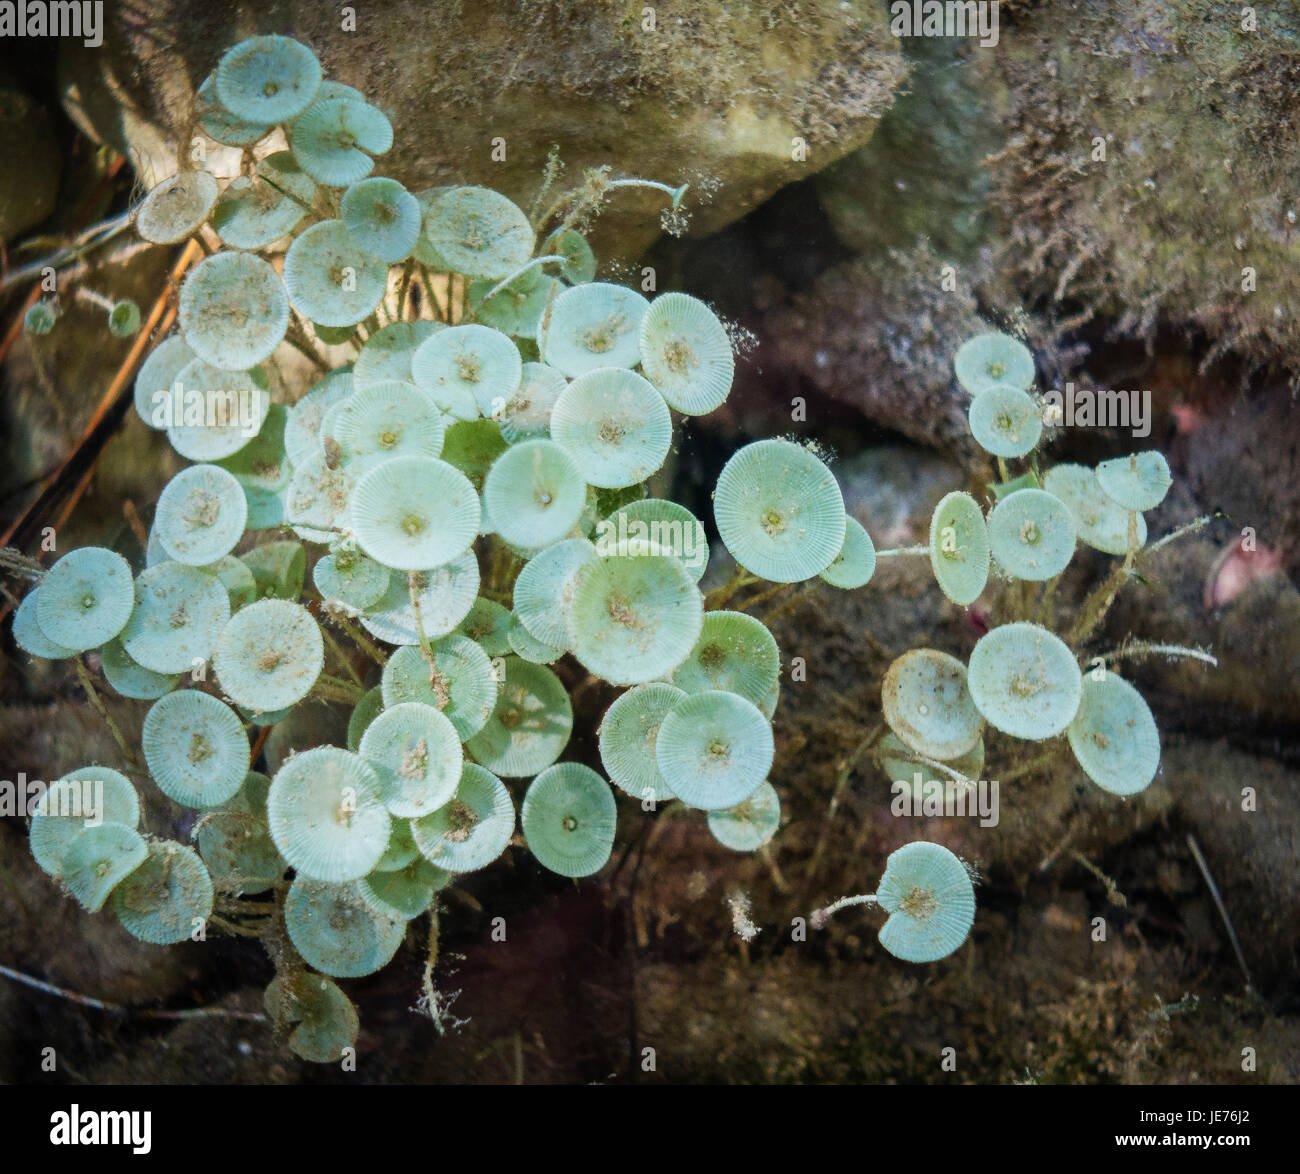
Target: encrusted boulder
{"points": [[737, 97]]}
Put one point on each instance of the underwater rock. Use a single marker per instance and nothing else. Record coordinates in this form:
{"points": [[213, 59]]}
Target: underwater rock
{"points": [[892, 490], [29, 182], [922, 173], [878, 334], [1250, 852], [742, 95], [1150, 167]]}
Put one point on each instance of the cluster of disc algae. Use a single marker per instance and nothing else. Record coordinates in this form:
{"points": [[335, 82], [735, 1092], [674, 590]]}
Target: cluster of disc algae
{"points": [[460, 497], [1030, 678]]}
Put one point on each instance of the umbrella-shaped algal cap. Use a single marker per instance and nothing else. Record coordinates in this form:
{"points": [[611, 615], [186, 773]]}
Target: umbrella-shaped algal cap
{"points": [[488, 625], [473, 829], [1006, 421], [326, 814], [517, 310], [331, 279], [460, 683], [387, 353], [1032, 534], [279, 569], [628, 733], [267, 79], [333, 140], [29, 636], [445, 595], [959, 548], [1102, 523], [256, 211], [530, 726], [569, 818], [86, 598], [634, 618], [401, 849], [1025, 681], [407, 891], [39, 318], [302, 430], [856, 561], [214, 412], [714, 749], [534, 493], [927, 704], [475, 231], [270, 655], [326, 1022], [337, 931], [98, 859], [593, 325], [157, 374], [579, 263], [234, 841], [656, 521], [201, 515], [1136, 482], [990, 359], [383, 218], [124, 318], [195, 748], [1114, 736], [930, 900], [467, 370], [133, 680], [527, 414], [543, 592], [686, 354], [413, 513], [736, 653], [779, 511], [236, 578], [219, 124], [350, 577], [83, 798], [167, 898], [415, 751], [179, 614], [524, 644], [615, 425], [233, 310], [389, 419], [176, 207], [750, 824], [316, 502]]}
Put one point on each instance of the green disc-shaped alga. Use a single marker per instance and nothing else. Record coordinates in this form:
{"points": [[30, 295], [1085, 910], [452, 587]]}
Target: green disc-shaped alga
{"points": [[569, 818], [930, 901]]}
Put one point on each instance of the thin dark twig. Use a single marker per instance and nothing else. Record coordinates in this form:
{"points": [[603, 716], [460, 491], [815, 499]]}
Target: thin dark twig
{"points": [[101, 1005]]}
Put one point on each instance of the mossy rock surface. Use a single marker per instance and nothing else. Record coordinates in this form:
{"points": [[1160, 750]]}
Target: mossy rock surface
{"points": [[720, 89], [1198, 119]]}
